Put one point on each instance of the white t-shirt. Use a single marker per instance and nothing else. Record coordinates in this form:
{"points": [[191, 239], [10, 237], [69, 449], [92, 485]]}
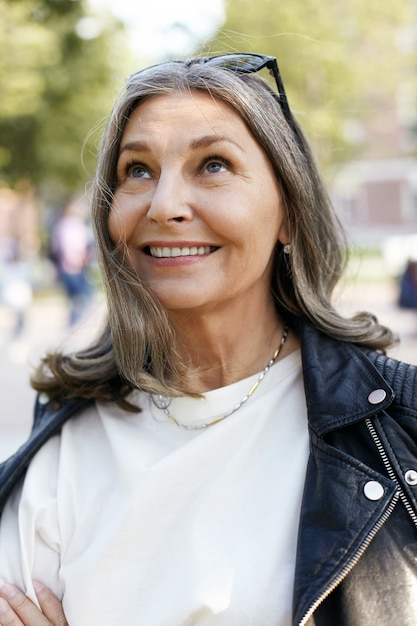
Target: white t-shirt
{"points": [[132, 520]]}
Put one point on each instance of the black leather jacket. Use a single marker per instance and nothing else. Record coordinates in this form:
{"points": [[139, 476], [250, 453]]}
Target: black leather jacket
{"points": [[357, 548]]}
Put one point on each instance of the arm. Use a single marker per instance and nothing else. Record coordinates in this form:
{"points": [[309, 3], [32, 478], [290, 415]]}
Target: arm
{"points": [[17, 610]]}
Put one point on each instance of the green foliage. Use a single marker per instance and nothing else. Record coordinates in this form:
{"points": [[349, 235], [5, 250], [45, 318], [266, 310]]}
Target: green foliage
{"points": [[341, 60], [342, 63], [56, 85]]}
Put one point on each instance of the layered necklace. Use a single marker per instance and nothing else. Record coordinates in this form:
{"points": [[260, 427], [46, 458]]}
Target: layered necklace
{"points": [[163, 403]]}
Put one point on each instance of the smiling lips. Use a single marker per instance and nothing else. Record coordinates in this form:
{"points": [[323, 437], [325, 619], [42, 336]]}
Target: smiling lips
{"points": [[166, 252]]}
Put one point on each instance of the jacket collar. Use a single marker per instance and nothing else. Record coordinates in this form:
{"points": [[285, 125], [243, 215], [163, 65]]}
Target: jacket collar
{"points": [[338, 381]]}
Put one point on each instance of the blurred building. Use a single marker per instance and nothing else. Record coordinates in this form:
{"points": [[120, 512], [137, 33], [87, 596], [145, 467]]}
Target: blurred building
{"points": [[376, 196], [377, 199]]}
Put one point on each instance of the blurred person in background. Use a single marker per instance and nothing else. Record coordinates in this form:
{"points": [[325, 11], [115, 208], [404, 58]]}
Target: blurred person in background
{"points": [[16, 286], [71, 252], [231, 450], [408, 286]]}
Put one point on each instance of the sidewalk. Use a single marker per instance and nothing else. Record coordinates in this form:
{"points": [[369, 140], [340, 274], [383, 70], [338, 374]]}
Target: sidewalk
{"points": [[46, 328]]}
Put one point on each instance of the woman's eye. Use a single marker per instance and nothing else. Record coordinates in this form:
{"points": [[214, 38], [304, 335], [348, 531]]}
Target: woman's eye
{"points": [[214, 166], [137, 170]]}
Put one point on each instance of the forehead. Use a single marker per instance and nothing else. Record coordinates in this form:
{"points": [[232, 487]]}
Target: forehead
{"points": [[194, 110]]}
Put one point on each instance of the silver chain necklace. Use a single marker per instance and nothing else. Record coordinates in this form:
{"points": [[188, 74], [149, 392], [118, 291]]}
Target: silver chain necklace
{"points": [[163, 403]]}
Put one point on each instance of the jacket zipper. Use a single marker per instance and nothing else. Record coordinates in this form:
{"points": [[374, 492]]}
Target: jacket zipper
{"points": [[398, 495], [353, 561], [390, 470]]}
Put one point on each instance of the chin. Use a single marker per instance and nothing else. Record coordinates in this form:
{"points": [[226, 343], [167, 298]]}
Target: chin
{"points": [[175, 299]]}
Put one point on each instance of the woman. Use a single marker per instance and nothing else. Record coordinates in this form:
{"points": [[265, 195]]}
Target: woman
{"points": [[238, 452]]}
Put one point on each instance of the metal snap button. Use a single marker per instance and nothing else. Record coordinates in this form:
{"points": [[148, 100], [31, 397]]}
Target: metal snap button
{"points": [[376, 396], [43, 398], [411, 477], [373, 490]]}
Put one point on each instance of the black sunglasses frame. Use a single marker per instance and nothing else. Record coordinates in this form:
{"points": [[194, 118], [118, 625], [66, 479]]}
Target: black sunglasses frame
{"points": [[248, 63]]}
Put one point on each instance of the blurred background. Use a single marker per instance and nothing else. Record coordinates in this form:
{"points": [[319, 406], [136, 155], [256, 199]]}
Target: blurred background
{"points": [[349, 70]]}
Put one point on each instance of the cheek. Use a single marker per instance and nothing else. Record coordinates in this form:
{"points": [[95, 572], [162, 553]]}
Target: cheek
{"points": [[267, 229], [118, 235], [126, 217]]}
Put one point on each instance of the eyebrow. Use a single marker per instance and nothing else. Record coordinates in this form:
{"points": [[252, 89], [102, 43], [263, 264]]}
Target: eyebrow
{"points": [[200, 142], [208, 140], [134, 146]]}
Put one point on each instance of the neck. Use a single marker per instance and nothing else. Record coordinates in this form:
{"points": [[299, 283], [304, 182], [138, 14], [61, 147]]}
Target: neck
{"points": [[220, 350]]}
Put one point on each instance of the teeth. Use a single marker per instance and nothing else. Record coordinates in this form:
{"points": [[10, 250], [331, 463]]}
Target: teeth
{"points": [[174, 252]]}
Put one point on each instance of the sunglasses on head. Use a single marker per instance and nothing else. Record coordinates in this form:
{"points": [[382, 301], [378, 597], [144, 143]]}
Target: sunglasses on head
{"points": [[242, 63]]}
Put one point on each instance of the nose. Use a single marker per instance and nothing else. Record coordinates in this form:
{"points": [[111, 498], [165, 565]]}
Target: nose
{"points": [[170, 200]]}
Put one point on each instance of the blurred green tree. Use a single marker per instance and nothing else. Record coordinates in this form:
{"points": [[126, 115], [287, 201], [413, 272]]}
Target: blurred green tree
{"points": [[342, 61], [59, 66]]}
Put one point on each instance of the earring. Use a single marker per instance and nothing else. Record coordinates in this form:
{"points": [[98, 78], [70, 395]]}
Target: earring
{"points": [[287, 249]]}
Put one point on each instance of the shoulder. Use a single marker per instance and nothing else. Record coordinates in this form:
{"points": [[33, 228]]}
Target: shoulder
{"points": [[340, 378], [331, 355], [401, 376], [48, 422], [50, 416]]}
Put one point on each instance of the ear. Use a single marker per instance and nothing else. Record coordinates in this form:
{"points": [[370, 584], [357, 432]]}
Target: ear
{"points": [[284, 233]]}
